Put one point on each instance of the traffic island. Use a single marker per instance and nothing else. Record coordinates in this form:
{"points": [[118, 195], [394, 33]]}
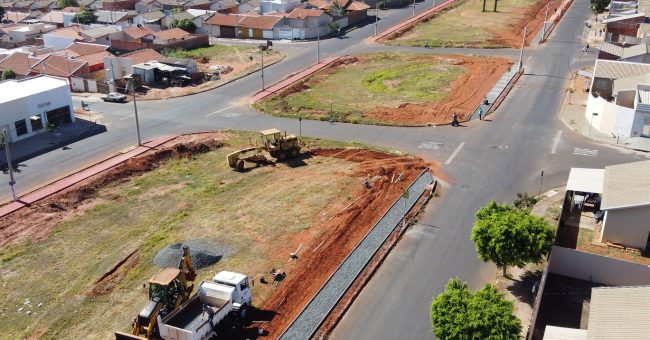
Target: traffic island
{"points": [[389, 89], [96, 241]]}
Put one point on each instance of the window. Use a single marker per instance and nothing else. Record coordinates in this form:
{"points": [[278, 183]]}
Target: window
{"points": [[244, 284], [21, 127], [37, 122]]}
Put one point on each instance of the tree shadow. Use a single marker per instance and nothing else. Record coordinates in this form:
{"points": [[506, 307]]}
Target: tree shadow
{"points": [[522, 288]]}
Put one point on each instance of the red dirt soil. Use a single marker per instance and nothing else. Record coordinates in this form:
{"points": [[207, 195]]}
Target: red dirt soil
{"points": [[533, 16], [343, 232], [466, 94]]}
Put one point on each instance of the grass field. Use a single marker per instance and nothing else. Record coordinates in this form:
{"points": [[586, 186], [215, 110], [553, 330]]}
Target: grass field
{"points": [[212, 51], [465, 25], [253, 214], [346, 92]]}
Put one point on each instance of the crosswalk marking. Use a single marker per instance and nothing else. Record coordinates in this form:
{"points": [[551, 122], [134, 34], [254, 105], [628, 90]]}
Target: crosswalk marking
{"points": [[430, 145], [231, 114], [585, 152]]}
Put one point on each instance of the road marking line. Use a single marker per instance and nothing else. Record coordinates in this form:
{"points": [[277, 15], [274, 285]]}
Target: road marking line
{"points": [[430, 145], [556, 142], [451, 158], [125, 117], [224, 109], [585, 152], [231, 114]]}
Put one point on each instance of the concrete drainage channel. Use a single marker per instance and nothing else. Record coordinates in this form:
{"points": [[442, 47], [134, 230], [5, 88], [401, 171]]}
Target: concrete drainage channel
{"points": [[311, 317]]}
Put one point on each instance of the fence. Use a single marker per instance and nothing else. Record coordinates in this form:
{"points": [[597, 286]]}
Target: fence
{"points": [[88, 85], [192, 41]]}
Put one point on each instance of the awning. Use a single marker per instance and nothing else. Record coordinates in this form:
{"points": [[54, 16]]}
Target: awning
{"points": [[586, 180]]}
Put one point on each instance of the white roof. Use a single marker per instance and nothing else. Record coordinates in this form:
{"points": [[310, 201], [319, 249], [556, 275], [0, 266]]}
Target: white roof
{"points": [[614, 69], [563, 333], [619, 313], [586, 180], [15, 89], [228, 277], [626, 185], [624, 17]]}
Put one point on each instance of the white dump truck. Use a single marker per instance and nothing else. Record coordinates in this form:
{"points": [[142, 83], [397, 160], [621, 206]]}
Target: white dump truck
{"points": [[216, 306]]}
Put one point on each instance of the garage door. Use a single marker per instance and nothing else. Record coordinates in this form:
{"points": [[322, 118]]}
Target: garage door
{"points": [[59, 116], [227, 32]]}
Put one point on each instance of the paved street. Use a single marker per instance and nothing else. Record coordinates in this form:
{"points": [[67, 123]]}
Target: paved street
{"points": [[484, 160]]}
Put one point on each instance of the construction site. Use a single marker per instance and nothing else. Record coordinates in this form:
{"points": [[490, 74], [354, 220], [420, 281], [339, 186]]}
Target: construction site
{"points": [[391, 89], [275, 214]]}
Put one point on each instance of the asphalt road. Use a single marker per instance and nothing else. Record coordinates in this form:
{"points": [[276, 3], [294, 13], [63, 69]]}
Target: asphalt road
{"points": [[496, 160], [483, 160]]}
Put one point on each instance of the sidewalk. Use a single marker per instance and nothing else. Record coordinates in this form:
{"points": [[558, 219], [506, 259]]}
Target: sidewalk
{"points": [[497, 93], [68, 181], [412, 21], [572, 114], [44, 142]]}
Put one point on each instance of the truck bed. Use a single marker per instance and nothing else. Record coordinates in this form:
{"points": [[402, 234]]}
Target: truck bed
{"points": [[192, 317]]}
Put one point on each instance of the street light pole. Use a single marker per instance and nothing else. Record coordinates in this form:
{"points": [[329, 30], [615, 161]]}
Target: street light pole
{"points": [[433, 4], [545, 20], [318, 44], [12, 182], [376, 14], [523, 42], [135, 107], [413, 7], [262, 67]]}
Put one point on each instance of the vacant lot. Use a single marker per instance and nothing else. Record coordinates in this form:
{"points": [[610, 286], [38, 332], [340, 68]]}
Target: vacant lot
{"points": [[465, 25], [242, 59], [390, 88], [54, 253]]}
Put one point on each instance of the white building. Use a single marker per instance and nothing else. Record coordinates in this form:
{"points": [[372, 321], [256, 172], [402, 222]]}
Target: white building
{"points": [[27, 104], [278, 5]]}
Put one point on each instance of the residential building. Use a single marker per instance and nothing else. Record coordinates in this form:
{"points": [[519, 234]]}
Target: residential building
{"points": [[20, 63], [305, 23], [27, 104], [151, 20], [118, 5], [61, 66], [278, 5], [167, 21], [91, 4], [145, 6], [62, 38], [633, 53], [121, 18], [16, 17], [171, 38], [624, 25], [355, 11], [244, 26], [25, 34], [102, 34], [93, 54], [619, 103]]}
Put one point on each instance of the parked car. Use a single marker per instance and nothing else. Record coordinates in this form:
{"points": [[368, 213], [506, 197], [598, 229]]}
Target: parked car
{"points": [[114, 97]]}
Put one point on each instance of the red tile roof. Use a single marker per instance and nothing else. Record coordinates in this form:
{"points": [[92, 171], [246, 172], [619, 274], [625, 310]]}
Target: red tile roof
{"points": [[58, 65], [264, 22], [299, 13], [69, 32], [137, 32], [95, 58], [222, 20], [20, 63], [143, 56], [79, 49], [172, 33], [357, 6]]}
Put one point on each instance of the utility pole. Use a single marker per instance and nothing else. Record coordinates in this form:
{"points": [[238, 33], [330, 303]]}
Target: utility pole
{"points": [[376, 14], [545, 20], [318, 44], [413, 7], [10, 167], [135, 107], [541, 181], [523, 42], [262, 67], [433, 4]]}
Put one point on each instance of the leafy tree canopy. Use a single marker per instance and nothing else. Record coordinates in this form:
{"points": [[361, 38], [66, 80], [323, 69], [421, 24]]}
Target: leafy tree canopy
{"points": [[185, 24], [458, 313], [84, 16], [7, 74], [508, 236], [66, 3]]}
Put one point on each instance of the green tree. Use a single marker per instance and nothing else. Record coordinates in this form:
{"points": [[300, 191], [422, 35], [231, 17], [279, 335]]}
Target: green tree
{"points": [[458, 313], [508, 236], [598, 6], [185, 24], [60, 4], [84, 16], [7, 74]]}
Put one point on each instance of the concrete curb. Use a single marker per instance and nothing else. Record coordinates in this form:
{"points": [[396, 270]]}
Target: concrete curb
{"points": [[406, 24], [555, 19], [502, 96], [76, 177], [292, 79]]}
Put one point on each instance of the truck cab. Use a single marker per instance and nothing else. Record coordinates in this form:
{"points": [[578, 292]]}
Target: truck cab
{"points": [[242, 297]]}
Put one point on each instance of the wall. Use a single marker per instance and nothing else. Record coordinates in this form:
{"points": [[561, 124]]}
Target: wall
{"points": [[190, 42], [56, 42], [629, 227], [611, 118], [590, 267]]}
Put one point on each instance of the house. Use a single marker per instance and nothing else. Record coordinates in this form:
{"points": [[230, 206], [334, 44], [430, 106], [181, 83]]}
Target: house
{"points": [[101, 34], [167, 37], [198, 4], [91, 4], [619, 103], [16, 17], [25, 34], [93, 54], [626, 204], [145, 6], [305, 24], [60, 66], [625, 25], [225, 6], [354, 11], [134, 33], [118, 5], [278, 5], [58, 18], [27, 104], [171, 38], [169, 5], [44, 6], [142, 56], [22, 6], [189, 65], [221, 25], [118, 67], [19, 62], [243, 26], [200, 15], [151, 20], [614, 313], [167, 21], [122, 18], [635, 53], [63, 37]]}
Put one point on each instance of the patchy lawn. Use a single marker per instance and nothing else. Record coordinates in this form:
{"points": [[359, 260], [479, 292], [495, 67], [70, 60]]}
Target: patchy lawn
{"points": [[390, 88], [465, 25]]}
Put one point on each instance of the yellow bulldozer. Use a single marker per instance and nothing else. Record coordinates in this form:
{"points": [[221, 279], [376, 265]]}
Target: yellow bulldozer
{"points": [[167, 290], [278, 145]]}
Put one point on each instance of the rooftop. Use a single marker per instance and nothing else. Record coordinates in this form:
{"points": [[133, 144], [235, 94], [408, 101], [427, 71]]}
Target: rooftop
{"points": [[143, 56], [172, 33], [626, 185], [619, 313], [16, 89], [619, 69], [299, 13]]}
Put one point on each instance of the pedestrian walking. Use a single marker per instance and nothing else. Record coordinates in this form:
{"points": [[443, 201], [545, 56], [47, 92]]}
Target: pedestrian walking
{"points": [[426, 44], [480, 113], [485, 101]]}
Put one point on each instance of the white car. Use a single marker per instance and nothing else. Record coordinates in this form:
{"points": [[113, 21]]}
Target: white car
{"points": [[114, 97]]}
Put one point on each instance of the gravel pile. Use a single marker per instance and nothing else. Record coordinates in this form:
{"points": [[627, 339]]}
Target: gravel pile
{"points": [[202, 252], [319, 307]]}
